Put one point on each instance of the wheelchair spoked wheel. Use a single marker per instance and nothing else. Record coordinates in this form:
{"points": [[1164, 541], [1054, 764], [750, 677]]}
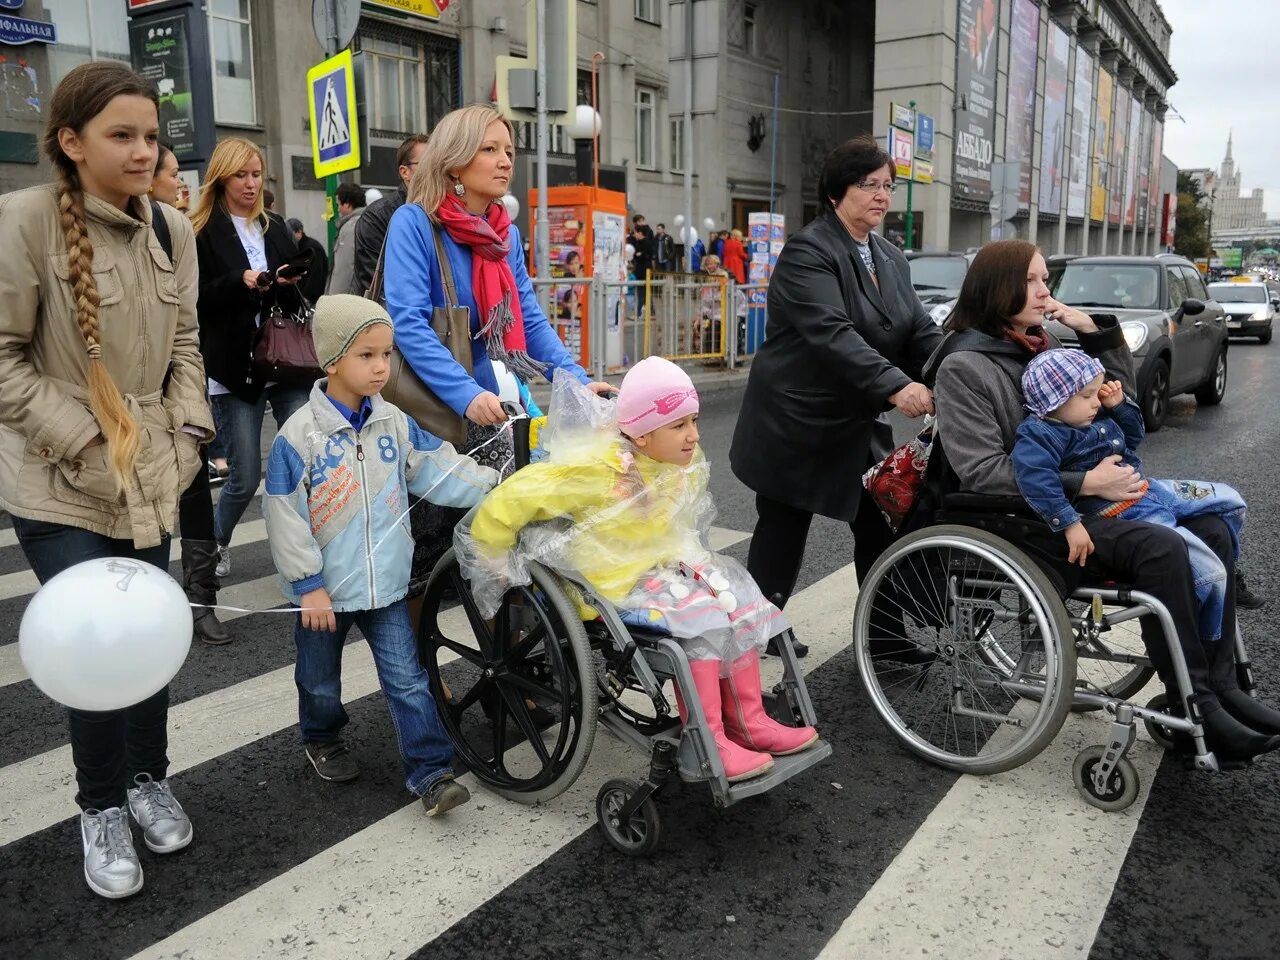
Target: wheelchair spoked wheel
{"points": [[533, 651], [1102, 664], [630, 703], [999, 685], [638, 836]]}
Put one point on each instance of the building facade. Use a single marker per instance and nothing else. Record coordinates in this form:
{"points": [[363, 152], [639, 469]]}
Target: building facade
{"points": [[1231, 211]]}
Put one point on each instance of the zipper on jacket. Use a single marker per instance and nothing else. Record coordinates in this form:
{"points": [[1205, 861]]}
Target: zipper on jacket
{"points": [[368, 525]]}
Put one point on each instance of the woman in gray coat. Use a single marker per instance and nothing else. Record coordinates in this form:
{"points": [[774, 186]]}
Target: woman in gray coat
{"points": [[845, 341]]}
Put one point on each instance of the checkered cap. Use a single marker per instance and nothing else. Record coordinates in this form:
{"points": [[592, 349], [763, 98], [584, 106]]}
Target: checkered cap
{"points": [[1053, 377]]}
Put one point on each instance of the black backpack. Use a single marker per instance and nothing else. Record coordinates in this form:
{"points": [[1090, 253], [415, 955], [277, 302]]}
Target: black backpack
{"points": [[161, 226]]}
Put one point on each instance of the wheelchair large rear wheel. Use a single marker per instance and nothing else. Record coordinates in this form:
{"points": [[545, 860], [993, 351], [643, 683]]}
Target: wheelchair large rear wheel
{"points": [[999, 686], [534, 650]]}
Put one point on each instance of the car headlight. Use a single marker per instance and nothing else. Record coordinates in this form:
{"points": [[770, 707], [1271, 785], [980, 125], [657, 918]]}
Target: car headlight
{"points": [[1135, 334], [1259, 315], [941, 312]]}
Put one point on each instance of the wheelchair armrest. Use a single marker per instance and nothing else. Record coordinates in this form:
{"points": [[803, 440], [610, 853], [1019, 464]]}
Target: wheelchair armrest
{"points": [[985, 503]]}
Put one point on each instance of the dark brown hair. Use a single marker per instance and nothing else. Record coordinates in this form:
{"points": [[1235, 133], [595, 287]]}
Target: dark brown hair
{"points": [[405, 150], [851, 162], [995, 288], [81, 95]]}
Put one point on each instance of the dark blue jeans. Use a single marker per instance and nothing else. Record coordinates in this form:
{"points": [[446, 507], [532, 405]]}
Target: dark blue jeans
{"points": [[424, 746], [240, 427], [109, 748]]}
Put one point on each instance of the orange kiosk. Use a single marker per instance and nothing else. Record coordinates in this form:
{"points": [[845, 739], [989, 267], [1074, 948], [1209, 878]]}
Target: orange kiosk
{"points": [[588, 237]]}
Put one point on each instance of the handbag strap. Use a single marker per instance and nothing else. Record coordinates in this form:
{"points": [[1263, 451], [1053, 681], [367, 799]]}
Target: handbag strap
{"points": [[446, 271]]}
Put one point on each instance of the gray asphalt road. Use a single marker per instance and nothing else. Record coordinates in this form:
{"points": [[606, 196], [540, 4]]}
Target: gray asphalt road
{"points": [[871, 847]]}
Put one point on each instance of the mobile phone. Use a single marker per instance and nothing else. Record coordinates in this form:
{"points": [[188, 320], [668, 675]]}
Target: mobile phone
{"points": [[263, 280], [294, 267]]}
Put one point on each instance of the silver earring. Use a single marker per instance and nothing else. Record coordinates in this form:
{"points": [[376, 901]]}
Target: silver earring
{"points": [[459, 189]]}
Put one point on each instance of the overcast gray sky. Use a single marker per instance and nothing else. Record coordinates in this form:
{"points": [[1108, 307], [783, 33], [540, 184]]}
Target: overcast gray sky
{"points": [[1227, 57]]}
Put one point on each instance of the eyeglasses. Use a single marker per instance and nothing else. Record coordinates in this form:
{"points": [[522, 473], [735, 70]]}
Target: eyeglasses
{"points": [[874, 186]]}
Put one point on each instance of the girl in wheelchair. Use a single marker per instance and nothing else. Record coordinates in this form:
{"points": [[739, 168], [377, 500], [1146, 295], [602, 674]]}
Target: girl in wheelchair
{"points": [[622, 500]]}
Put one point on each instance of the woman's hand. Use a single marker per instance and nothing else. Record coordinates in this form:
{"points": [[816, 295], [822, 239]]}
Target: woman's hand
{"points": [[1112, 480], [486, 410], [914, 400], [599, 387], [1077, 320], [250, 278]]}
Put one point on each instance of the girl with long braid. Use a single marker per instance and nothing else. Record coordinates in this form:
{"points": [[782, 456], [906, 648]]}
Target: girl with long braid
{"points": [[102, 411]]}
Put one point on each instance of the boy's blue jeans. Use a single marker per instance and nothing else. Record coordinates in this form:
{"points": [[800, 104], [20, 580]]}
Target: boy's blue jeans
{"points": [[425, 748], [1169, 501]]}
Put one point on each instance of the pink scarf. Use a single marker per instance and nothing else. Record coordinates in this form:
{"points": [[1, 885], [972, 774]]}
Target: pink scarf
{"points": [[492, 283]]}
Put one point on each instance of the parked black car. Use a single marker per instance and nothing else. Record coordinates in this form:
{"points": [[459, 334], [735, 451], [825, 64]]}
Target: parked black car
{"points": [[1177, 333], [937, 277]]}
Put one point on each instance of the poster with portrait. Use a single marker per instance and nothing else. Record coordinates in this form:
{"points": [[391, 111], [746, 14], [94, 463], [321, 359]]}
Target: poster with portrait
{"points": [[1101, 159], [1081, 111], [1116, 158], [1020, 114], [1052, 173], [977, 45], [1133, 142], [568, 301]]}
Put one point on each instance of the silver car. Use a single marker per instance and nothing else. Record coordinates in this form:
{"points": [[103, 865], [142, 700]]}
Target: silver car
{"points": [[1250, 308]]}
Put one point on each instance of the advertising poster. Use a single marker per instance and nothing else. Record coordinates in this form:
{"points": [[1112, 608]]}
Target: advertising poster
{"points": [[1116, 157], [1133, 143], [1101, 160], [1157, 153], [568, 301], [1144, 170], [901, 148], [1081, 108], [1052, 174], [976, 52], [159, 48], [1024, 45], [608, 261]]}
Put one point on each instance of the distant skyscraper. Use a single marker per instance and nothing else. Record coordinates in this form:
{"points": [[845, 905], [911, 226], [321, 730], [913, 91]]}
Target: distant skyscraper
{"points": [[1231, 211]]}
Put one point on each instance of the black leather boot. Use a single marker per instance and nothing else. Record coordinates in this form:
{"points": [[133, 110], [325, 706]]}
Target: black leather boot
{"points": [[1252, 713], [1228, 737], [200, 581]]}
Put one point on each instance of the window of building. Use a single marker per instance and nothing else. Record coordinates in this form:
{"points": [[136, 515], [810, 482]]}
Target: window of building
{"points": [[649, 10], [646, 126], [557, 140], [86, 31], [749, 28], [677, 145], [411, 79], [231, 46]]}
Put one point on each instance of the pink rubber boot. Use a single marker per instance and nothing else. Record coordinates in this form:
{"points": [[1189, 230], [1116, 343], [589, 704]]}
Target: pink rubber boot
{"points": [[745, 721], [739, 762]]}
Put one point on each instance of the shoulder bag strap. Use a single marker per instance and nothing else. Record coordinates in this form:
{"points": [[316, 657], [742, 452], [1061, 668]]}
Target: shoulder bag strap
{"points": [[446, 271]]}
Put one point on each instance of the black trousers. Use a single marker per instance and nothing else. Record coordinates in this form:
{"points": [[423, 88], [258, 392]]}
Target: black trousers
{"points": [[195, 507], [777, 546]]}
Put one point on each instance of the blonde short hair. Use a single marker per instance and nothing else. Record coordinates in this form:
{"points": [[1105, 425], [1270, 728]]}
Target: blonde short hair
{"points": [[453, 144], [230, 155]]}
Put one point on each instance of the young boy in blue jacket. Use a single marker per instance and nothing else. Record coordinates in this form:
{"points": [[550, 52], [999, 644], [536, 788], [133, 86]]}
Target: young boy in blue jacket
{"points": [[1065, 392], [338, 483]]}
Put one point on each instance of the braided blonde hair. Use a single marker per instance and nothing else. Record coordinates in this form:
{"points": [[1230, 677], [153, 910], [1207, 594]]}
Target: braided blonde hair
{"points": [[81, 95]]}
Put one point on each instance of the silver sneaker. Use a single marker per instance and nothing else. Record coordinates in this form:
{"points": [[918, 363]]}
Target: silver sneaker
{"points": [[165, 826], [111, 866], [223, 569]]}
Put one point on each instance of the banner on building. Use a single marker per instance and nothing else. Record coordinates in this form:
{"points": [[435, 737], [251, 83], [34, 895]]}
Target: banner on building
{"points": [[1116, 158], [1144, 170], [1024, 48], [1133, 143], [977, 45], [1081, 108], [1157, 157], [1101, 161], [159, 47], [1052, 172]]}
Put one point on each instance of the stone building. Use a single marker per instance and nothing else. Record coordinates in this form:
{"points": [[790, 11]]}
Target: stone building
{"points": [[1231, 211]]}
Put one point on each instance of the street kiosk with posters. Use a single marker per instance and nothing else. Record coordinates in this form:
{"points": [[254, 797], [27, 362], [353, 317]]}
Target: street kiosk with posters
{"points": [[588, 236]]}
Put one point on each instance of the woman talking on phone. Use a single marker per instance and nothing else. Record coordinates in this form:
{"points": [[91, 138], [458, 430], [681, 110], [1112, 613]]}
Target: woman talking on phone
{"points": [[248, 260]]}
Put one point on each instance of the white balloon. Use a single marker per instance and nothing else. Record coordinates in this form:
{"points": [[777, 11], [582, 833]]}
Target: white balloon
{"points": [[512, 205], [586, 123], [371, 195], [679, 220], [105, 634], [709, 224], [508, 388], [629, 250]]}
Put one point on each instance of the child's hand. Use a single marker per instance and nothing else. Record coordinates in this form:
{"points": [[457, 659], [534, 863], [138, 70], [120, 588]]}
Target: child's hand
{"points": [[317, 611], [1111, 394], [1079, 542]]}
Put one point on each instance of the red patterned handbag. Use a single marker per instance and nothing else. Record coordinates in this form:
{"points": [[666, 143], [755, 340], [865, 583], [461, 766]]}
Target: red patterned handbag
{"points": [[896, 481]]}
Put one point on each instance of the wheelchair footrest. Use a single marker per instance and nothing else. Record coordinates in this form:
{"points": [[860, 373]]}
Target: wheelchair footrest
{"points": [[784, 768]]}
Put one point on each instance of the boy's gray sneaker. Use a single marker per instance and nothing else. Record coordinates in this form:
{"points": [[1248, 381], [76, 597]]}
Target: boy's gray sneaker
{"points": [[332, 761], [445, 794], [223, 569], [165, 825], [111, 866]]}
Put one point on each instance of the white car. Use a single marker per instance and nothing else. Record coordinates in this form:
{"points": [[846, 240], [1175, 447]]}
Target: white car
{"points": [[1250, 308]]}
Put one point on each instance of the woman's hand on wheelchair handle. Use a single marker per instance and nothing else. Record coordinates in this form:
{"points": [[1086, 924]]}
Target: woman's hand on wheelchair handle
{"points": [[601, 388], [914, 400], [486, 410], [1112, 480], [1079, 544]]}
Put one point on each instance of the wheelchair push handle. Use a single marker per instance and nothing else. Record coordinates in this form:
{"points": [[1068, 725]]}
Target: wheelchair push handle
{"points": [[519, 432]]}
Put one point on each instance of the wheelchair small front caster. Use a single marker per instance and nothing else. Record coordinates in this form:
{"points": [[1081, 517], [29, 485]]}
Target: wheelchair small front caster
{"points": [[1121, 788], [639, 835], [1158, 732]]}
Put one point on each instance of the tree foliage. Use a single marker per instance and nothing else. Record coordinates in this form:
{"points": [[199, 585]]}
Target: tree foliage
{"points": [[1191, 234]]}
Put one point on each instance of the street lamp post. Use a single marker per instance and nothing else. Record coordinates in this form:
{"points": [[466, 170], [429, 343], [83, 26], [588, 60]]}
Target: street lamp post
{"points": [[910, 240]]}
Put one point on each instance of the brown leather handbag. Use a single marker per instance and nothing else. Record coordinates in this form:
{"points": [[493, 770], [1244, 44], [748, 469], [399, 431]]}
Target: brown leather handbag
{"points": [[285, 352], [452, 324]]}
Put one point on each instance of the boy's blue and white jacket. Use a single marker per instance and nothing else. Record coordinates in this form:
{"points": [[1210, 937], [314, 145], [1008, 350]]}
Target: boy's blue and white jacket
{"points": [[335, 500], [1045, 449]]}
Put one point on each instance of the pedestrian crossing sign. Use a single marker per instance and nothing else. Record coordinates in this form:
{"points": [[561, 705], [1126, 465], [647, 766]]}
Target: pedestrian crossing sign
{"points": [[335, 135]]}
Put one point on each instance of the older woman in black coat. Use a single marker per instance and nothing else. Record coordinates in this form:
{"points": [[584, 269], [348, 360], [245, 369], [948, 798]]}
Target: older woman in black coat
{"points": [[846, 340]]}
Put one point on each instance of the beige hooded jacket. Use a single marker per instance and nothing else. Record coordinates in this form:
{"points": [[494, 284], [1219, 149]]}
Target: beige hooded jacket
{"points": [[147, 320]]}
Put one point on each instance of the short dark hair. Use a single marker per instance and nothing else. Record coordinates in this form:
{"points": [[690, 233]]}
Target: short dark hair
{"points": [[162, 151], [268, 199], [637, 218], [405, 150], [352, 194], [851, 162], [994, 289], [662, 226]]}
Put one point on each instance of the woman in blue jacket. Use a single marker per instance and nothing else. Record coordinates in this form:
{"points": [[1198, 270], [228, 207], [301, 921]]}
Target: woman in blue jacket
{"points": [[457, 189]]}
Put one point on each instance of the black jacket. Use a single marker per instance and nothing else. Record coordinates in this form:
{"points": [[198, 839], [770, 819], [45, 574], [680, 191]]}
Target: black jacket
{"points": [[836, 348], [227, 308], [313, 283], [371, 232]]}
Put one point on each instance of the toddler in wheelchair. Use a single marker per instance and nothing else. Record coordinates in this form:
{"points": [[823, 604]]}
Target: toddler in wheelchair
{"points": [[1078, 420], [621, 500]]}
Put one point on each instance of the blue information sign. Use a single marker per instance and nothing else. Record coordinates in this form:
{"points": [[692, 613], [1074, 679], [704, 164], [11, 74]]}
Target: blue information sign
{"points": [[20, 30], [924, 134]]}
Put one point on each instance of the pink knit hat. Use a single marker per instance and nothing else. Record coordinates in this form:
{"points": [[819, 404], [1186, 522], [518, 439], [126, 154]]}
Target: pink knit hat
{"points": [[654, 392]]}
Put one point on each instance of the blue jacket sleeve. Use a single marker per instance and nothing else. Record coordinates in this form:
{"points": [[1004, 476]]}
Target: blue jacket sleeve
{"points": [[1037, 459], [410, 271], [1128, 416], [544, 346]]}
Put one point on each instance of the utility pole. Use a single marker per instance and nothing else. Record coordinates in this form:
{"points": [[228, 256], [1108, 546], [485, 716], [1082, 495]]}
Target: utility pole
{"points": [[910, 240], [688, 133], [331, 181], [542, 234]]}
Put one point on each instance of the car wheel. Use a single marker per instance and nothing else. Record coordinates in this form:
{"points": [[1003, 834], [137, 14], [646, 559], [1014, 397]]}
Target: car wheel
{"points": [[1265, 338], [1211, 392], [1155, 402]]}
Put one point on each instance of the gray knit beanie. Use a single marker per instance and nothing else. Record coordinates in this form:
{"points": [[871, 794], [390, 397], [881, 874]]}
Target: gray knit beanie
{"points": [[339, 319]]}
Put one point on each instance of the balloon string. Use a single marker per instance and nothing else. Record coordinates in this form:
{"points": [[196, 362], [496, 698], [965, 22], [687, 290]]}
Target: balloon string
{"points": [[421, 500]]}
